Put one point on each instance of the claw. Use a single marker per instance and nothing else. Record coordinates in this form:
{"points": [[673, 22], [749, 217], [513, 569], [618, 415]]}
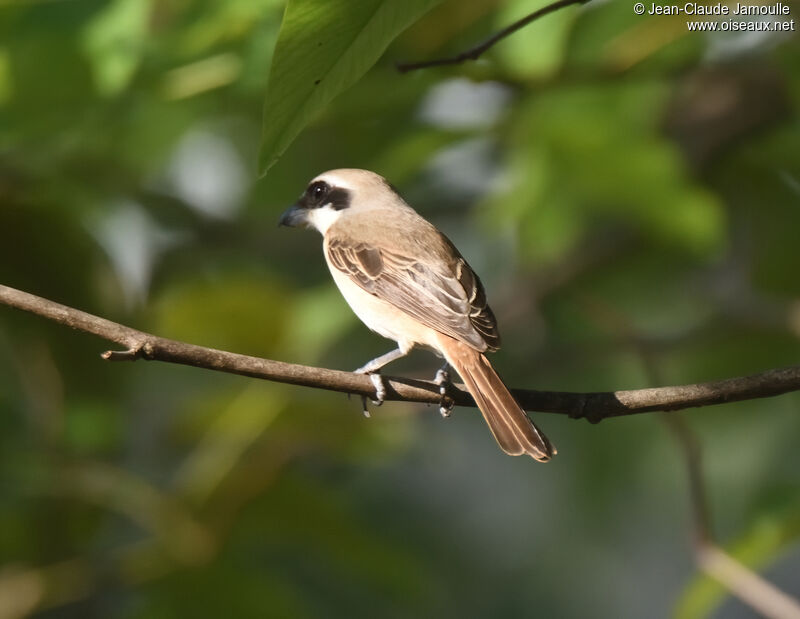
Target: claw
{"points": [[446, 403], [380, 388], [364, 408]]}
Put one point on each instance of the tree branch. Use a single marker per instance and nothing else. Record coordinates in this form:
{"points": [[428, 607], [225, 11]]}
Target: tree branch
{"points": [[592, 406], [474, 53]]}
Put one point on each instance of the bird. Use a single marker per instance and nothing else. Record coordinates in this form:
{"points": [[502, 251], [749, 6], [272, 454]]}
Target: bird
{"points": [[406, 281]]}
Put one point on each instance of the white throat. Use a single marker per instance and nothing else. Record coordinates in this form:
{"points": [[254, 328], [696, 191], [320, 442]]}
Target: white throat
{"points": [[323, 217]]}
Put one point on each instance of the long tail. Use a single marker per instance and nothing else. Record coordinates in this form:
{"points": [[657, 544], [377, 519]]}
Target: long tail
{"points": [[514, 432]]}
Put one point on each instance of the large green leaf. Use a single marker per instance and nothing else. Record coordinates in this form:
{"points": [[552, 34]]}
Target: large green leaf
{"points": [[324, 47]]}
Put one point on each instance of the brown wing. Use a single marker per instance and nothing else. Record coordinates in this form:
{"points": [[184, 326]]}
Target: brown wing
{"points": [[447, 297]]}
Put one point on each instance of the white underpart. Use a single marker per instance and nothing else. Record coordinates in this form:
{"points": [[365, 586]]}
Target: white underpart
{"points": [[323, 217], [383, 317]]}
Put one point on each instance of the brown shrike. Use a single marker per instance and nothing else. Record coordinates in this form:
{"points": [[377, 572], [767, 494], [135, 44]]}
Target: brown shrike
{"points": [[406, 281]]}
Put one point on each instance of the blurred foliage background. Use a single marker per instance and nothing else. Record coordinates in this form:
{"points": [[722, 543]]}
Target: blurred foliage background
{"points": [[628, 191]]}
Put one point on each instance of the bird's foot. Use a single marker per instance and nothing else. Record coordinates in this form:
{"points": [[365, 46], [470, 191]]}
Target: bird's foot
{"points": [[380, 389], [446, 403]]}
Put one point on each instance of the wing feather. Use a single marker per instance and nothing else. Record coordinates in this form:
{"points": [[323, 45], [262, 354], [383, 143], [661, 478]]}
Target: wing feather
{"points": [[447, 297]]}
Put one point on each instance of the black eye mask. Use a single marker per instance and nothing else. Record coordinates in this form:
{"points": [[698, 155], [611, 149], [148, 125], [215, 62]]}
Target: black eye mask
{"points": [[319, 194]]}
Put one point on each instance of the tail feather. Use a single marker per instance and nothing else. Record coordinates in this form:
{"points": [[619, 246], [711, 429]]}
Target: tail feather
{"points": [[514, 431]]}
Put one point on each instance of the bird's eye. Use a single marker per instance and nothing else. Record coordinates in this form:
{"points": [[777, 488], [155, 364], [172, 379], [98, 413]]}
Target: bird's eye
{"points": [[319, 191]]}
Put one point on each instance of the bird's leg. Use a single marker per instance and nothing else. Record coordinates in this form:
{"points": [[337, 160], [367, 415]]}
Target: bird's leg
{"points": [[442, 379], [373, 370], [378, 362]]}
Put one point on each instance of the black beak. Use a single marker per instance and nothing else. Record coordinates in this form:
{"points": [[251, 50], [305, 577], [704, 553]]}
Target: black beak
{"points": [[293, 216]]}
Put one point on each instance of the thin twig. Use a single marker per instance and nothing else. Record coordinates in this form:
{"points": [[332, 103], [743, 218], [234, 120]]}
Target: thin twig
{"points": [[591, 406], [692, 453], [764, 597], [474, 53], [739, 580]]}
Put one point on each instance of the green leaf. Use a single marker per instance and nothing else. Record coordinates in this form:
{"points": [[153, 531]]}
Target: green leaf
{"points": [[539, 50], [114, 41], [323, 48]]}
